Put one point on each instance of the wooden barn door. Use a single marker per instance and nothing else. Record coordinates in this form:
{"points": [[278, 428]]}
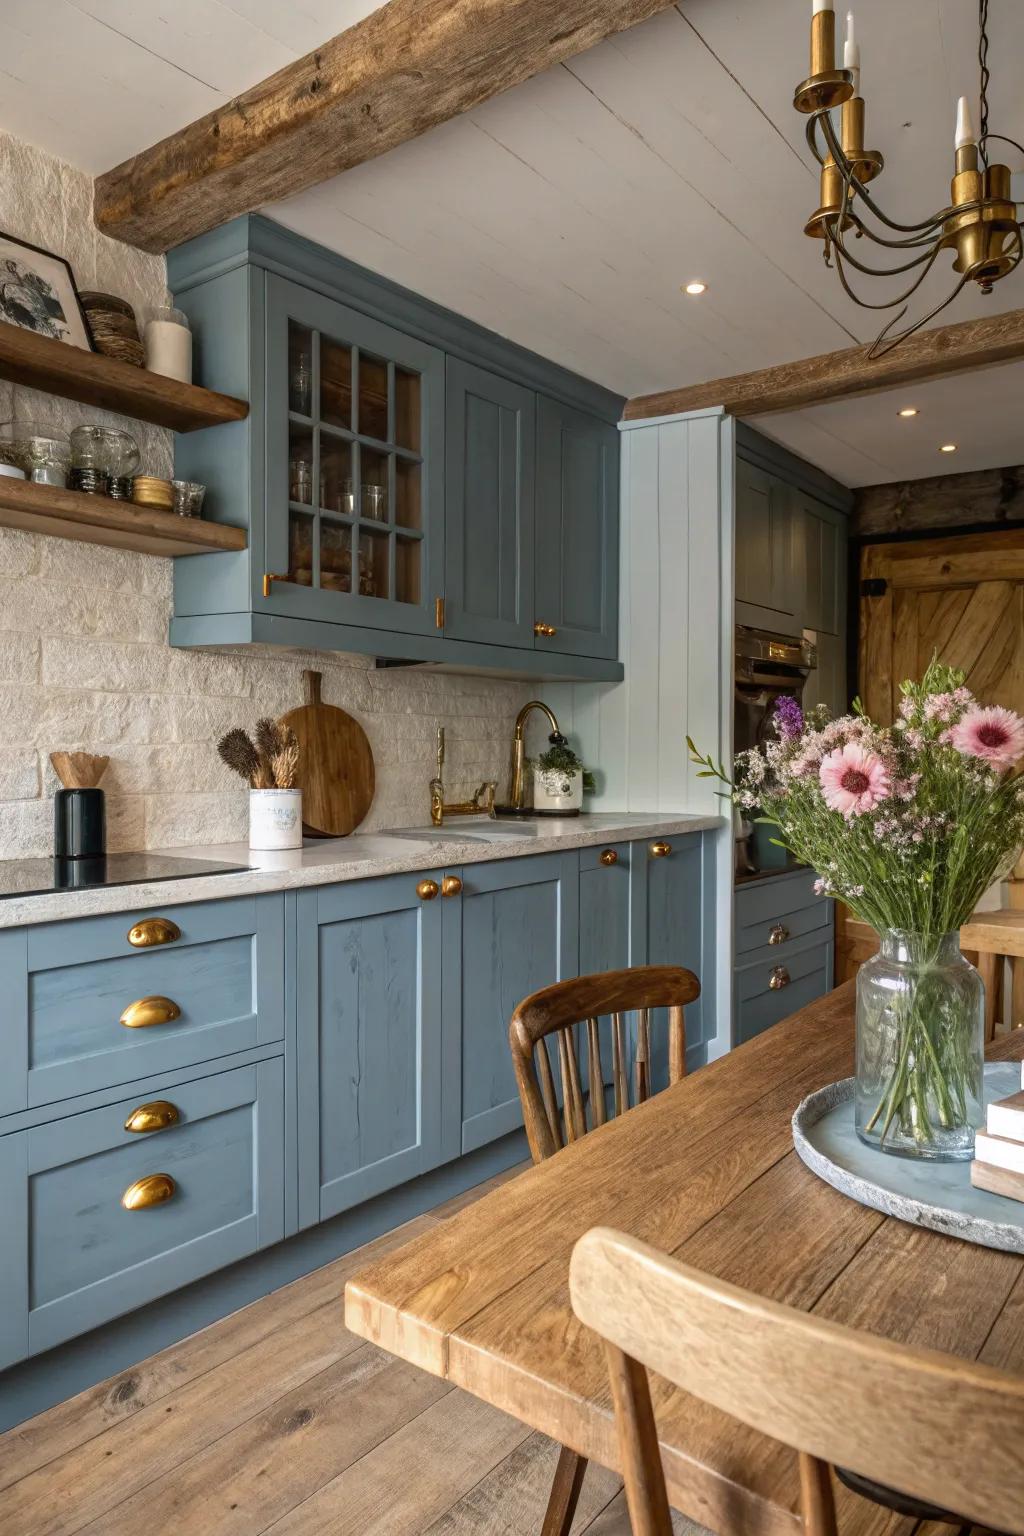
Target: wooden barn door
{"points": [[961, 598]]}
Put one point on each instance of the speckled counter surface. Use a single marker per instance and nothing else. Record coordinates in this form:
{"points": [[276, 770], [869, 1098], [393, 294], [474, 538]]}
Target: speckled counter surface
{"points": [[353, 858]]}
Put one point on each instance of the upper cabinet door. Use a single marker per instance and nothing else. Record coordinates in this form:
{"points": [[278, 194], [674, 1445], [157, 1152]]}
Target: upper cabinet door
{"points": [[766, 574], [577, 537], [354, 443], [821, 535], [489, 520]]}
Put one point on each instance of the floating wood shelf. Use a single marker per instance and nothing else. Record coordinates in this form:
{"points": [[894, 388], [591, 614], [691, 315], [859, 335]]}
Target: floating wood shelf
{"points": [[60, 369], [102, 520]]}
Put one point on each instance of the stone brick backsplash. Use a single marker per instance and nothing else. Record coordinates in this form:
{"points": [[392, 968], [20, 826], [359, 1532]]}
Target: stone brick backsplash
{"points": [[84, 659]]}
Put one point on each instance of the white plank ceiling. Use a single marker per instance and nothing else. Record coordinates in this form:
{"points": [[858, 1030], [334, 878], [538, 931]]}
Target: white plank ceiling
{"points": [[567, 213]]}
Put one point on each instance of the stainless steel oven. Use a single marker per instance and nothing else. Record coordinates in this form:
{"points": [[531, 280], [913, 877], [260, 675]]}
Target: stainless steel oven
{"points": [[768, 667]]}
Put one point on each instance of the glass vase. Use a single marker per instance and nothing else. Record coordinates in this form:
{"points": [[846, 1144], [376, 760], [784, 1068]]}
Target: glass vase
{"points": [[920, 1048]]}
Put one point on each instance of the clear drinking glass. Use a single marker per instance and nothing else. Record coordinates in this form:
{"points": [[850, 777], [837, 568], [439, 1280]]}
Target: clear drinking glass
{"points": [[920, 1048]]}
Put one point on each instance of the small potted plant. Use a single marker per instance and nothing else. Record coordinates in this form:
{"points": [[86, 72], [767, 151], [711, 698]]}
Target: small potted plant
{"points": [[559, 780], [269, 765]]}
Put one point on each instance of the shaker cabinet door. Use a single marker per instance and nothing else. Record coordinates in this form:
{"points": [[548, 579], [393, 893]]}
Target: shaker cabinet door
{"points": [[766, 563], [369, 1042], [577, 532], [489, 476], [354, 444], [672, 920]]}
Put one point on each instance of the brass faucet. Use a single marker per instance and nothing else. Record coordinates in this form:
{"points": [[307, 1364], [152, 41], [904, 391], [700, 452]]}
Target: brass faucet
{"points": [[482, 803], [516, 776]]}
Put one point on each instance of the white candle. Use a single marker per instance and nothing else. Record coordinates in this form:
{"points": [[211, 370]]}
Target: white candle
{"points": [[820, 5], [168, 345], [851, 53], [964, 127]]}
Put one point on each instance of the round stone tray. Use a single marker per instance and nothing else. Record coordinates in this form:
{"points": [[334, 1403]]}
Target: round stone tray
{"points": [[936, 1195]]}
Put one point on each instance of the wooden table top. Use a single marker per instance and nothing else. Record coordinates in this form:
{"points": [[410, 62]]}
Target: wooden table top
{"points": [[705, 1171]]}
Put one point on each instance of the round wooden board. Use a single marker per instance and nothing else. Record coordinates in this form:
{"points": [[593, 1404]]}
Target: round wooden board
{"points": [[335, 765]]}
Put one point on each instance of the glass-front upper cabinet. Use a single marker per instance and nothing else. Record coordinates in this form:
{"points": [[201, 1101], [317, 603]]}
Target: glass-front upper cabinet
{"points": [[355, 453]]}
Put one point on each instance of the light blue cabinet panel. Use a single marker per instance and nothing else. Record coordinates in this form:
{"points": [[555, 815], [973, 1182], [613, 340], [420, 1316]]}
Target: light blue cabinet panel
{"points": [[801, 973], [577, 537], [520, 931], [81, 1258], [489, 530], [604, 908], [369, 1040], [773, 911], [672, 921], [765, 556], [68, 985]]}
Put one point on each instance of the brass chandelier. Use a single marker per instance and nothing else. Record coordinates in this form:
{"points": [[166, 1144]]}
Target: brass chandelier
{"points": [[979, 224]]}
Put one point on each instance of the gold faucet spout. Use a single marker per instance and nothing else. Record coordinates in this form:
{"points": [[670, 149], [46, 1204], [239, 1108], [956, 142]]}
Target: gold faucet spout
{"points": [[516, 784]]}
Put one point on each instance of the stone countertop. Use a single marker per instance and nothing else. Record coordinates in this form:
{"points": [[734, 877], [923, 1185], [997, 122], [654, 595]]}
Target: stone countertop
{"points": [[360, 857]]}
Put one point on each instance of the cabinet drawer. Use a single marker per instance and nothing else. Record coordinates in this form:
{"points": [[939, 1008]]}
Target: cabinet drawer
{"points": [[773, 912], [78, 1257], [96, 1010], [804, 973]]}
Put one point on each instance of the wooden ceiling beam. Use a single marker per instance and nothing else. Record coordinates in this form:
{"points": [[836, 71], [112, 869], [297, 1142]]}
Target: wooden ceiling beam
{"points": [[407, 67], [842, 375]]}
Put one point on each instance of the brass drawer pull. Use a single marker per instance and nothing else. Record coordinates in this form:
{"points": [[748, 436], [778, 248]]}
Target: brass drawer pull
{"points": [[427, 890], [608, 857], [153, 930], [154, 1189], [779, 934], [660, 850], [150, 1010], [546, 631], [157, 1115], [451, 885], [778, 979]]}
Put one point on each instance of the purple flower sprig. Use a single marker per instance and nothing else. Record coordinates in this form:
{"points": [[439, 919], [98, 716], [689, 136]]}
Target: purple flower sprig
{"points": [[788, 718]]}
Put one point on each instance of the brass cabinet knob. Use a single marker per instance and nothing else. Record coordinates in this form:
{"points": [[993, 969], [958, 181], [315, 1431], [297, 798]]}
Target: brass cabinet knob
{"points": [[546, 630], [608, 856], [154, 1189], [427, 890], [157, 1115], [153, 930], [451, 885], [660, 850], [779, 934], [778, 979], [150, 1010]]}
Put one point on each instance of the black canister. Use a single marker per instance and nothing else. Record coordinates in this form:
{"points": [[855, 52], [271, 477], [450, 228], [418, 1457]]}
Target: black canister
{"points": [[79, 824]]}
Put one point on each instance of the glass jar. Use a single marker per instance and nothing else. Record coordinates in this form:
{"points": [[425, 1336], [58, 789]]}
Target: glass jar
{"points": [[39, 450], [105, 450], [920, 1048]]}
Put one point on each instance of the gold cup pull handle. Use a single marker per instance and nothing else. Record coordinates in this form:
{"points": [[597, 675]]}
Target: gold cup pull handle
{"points": [[778, 979], [608, 857], [660, 850], [779, 934], [451, 885], [157, 1115], [153, 930], [150, 1010], [427, 890], [154, 1189]]}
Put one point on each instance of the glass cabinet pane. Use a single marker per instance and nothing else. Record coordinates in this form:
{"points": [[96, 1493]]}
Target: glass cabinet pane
{"points": [[373, 503], [408, 565], [300, 369], [407, 410], [373, 398], [300, 548], [335, 557], [374, 549], [407, 494], [336, 477], [335, 383], [300, 464]]}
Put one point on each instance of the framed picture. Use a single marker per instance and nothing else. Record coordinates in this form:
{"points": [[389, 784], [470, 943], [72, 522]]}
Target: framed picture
{"points": [[37, 292]]}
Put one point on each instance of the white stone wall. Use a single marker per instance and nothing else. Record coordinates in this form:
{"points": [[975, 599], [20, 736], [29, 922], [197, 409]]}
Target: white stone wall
{"points": [[84, 659]]}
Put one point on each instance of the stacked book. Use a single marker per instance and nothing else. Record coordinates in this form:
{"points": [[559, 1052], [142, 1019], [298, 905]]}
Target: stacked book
{"points": [[999, 1149]]}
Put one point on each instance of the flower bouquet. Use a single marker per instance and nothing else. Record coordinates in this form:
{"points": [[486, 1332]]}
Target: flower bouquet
{"points": [[909, 825]]}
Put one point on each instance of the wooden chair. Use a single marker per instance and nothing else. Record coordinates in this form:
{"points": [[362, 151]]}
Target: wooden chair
{"points": [[994, 941], [557, 1011], [931, 1426]]}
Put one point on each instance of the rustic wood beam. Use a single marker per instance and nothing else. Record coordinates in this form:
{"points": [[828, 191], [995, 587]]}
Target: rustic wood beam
{"points": [[404, 69], [842, 375], [980, 498]]}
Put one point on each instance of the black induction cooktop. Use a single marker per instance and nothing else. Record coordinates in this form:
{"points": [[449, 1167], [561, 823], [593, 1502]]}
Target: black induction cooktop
{"points": [[38, 877]]}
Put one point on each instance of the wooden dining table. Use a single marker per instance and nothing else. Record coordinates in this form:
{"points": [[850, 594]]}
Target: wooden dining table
{"points": [[706, 1171]]}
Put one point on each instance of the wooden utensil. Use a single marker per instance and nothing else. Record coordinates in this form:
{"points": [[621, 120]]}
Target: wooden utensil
{"points": [[335, 765], [78, 770]]}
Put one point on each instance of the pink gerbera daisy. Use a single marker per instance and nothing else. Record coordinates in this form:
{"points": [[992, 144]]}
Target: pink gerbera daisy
{"points": [[995, 734], [854, 780]]}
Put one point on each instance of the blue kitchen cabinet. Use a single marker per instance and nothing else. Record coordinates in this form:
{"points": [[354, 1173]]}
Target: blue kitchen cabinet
{"points": [[577, 531], [672, 922], [784, 950], [519, 931], [373, 1043], [73, 1256], [604, 907]]}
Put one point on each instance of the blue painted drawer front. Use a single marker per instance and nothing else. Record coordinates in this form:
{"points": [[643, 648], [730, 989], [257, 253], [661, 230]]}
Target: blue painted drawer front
{"points": [[520, 931], [370, 1045], [75, 1258], [786, 906], [69, 983], [672, 922], [808, 968]]}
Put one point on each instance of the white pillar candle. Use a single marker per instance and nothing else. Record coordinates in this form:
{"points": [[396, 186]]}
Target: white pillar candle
{"points": [[851, 53], [820, 5], [168, 345], [964, 126]]}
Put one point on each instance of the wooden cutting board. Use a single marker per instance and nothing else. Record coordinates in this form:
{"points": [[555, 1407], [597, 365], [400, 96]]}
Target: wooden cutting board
{"points": [[335, 765]]}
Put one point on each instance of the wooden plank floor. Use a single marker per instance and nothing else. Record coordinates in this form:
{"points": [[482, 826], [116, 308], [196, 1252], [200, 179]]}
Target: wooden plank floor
{"points": [[278, 1420]]}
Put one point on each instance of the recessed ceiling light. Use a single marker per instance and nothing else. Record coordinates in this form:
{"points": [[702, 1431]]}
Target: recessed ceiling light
{"points": [[948, 448], [908, 410], [695, 288]]}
